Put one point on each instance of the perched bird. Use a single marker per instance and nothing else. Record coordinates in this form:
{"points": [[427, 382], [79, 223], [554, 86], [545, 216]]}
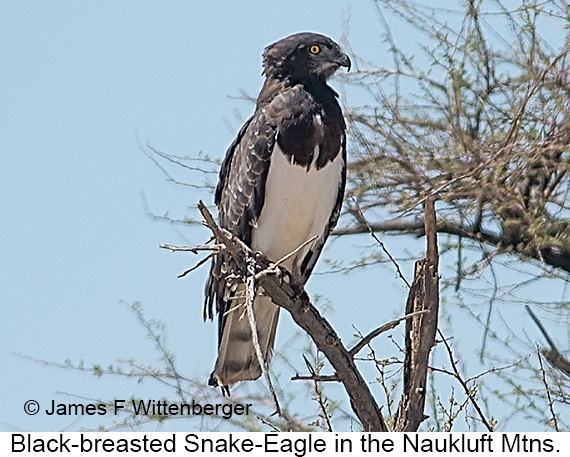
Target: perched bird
{"points": [[281, 183]]}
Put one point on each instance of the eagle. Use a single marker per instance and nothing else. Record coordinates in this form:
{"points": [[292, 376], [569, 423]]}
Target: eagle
{"points": [[281, 184]]}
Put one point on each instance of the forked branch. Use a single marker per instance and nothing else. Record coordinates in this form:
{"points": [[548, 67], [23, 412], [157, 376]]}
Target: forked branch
{"points": [[421, 323]]}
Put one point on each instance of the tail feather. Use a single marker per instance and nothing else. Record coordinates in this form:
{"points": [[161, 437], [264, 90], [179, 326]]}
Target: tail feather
{"points": [[237, 360]]}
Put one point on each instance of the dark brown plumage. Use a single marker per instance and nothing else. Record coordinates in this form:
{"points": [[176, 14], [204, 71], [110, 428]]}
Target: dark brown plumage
{"points": [[281, 182]]}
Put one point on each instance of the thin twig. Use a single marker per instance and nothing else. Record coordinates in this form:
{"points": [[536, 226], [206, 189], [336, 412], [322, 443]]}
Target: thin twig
{"points": [[381, 244], [251, 288], [466, 388], [489, 312], [319, 393], [547, 387], [557, 361], [384, 328], [195, 249], [292, 253], [380, 366], [553, 355], [270, 425], [472, 378], [515, 123], [274, 267], [319, 378], [198, 265], [541, 328]]}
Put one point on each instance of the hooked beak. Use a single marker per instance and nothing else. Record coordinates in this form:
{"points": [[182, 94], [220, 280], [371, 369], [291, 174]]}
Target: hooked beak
{"points": [[344, 61]]}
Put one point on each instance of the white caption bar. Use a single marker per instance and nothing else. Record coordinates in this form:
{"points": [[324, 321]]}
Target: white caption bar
{"points": [[288, 444]]}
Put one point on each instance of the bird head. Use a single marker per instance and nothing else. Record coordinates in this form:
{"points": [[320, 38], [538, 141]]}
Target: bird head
{"points": [[304, 56]]}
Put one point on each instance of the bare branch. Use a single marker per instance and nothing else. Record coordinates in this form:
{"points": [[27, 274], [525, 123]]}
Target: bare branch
{"points": [[420, 330], [297, 303], [384, 328], [319, 378], [193, 249]]}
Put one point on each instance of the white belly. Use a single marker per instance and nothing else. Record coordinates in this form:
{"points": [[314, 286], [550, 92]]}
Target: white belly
{"points": [[298, 205]]}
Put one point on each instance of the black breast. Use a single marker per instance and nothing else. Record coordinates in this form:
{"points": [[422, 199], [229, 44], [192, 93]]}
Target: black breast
{"points": [[308, 122]]}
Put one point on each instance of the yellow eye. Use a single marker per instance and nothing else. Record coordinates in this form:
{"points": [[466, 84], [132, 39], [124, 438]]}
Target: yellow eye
{"points": [[314, 49]]}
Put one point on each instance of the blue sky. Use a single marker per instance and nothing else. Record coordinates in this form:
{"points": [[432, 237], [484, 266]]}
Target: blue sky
{"points": [[83, 85]]}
